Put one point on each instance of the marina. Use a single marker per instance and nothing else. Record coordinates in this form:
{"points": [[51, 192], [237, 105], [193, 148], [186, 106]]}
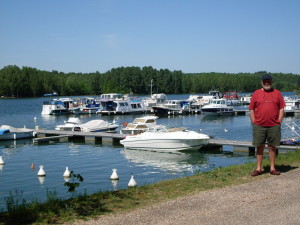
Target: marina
{"points": [[94, 155]]}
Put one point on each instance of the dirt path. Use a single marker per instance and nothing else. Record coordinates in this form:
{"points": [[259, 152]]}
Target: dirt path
{"points": [[275, 200]]}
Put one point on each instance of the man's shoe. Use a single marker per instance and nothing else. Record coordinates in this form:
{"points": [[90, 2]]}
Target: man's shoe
{"points": [[274, 172], [256, 173]]}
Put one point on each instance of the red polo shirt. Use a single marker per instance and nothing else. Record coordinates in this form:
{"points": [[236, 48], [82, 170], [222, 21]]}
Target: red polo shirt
{"points": [[266, 106]]}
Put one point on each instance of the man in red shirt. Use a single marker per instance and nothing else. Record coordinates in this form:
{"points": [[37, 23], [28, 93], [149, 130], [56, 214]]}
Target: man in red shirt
{"points": [[266, 113]]}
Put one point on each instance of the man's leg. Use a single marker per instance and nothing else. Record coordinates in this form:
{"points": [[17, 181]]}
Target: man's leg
{"points": [[272, 156], [259, 157]]}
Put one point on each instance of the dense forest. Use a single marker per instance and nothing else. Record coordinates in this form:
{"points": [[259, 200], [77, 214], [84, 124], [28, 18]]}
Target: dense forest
{"points": [[31, 82]]}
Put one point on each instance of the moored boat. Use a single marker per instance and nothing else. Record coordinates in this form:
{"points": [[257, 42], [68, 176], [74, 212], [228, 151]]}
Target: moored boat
{"points": [[174, 107], [232, 98], [96, 126], [87, 105], [51, 94], [12, 133], [59, 106], [154, 100], [292, 103], [217, 107], [69, 125], [139, 125], [174, 139], [120, 106]]}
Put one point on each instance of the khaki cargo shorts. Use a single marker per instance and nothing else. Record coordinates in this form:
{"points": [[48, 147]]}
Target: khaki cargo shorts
{"points": [[269, 135]]}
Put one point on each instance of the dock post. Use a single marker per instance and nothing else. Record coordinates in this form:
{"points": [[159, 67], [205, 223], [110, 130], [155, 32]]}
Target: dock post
{"points": [[251, 151]]}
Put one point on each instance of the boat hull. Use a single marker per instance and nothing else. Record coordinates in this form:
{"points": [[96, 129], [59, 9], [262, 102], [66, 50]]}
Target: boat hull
{"points": [[170, 141], [217, 111], [167, 111], [16, 135], [102, 112]]}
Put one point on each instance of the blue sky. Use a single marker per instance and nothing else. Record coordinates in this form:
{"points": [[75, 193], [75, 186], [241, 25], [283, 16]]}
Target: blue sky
{"points": [[193, 36]]}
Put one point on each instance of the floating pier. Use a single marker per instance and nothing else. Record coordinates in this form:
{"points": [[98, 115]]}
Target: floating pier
{"points": [[52, 135], [213, 143], [55, 135]]}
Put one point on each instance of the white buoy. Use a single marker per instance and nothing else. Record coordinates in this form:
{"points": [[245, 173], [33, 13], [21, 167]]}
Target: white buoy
{"points": [[1, 160], [132, 182], [41, 172], [34, 118], [225, 130], [114, 175], [67, 172]]}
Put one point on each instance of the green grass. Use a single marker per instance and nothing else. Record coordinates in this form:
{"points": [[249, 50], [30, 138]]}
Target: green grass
{"points": [[84, 206]]}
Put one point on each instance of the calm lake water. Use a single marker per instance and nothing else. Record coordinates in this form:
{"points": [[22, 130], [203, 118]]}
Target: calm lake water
{"points": [[95, 161]]}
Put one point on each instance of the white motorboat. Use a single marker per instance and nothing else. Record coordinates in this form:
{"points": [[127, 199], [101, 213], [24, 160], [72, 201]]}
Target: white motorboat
{"points": [[245, 100], [198, 101], [69, 125], [111, 105], [12, 133], [174, 139], [173, 107], [96, 126], [59, 106], [232, 98], [291, 103], [218, 107], [154, 100], [88, 105], [139, 125]]}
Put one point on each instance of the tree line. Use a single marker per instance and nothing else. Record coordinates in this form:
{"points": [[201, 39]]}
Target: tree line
{"points": [[31, 82]]}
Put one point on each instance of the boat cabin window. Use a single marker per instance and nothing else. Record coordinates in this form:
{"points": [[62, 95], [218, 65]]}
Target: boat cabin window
{"points": [[139, 120], [150, 121], [130, 125], [140, 126]]}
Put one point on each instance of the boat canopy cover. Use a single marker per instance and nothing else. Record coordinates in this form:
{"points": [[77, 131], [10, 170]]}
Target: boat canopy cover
{"points": [[95, 124], [4, 131]]}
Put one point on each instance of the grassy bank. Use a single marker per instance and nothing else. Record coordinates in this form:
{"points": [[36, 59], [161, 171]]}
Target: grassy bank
{"points": [[85, 206]]}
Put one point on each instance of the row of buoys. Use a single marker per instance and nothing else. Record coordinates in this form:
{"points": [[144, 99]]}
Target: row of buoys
{"points": [[41, 173], [114, 176]]}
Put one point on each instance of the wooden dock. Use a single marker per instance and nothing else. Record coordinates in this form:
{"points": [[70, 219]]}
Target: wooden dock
{"points": [[55, 135], [52, 135], [247, 144]]}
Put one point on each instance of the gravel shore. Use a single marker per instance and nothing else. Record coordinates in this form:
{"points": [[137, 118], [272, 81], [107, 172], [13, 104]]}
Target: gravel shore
{"points": [[273, 200]]}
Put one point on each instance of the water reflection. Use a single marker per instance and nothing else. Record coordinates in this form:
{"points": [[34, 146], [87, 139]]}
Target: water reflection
{"points": [[41, 179], [170, 161], [114, 184]]}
